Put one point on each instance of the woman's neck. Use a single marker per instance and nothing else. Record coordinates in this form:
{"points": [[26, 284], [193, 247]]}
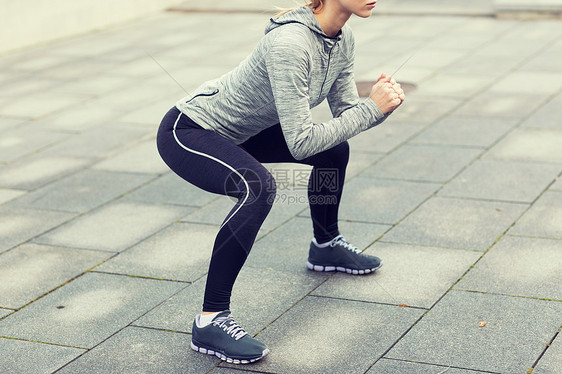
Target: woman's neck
{"points": [[332, 18]]}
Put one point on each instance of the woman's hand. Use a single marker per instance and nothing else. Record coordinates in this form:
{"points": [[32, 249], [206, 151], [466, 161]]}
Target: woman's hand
{"points": [[387, 94]]}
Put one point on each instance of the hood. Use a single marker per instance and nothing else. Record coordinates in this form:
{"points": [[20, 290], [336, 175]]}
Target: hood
{"points": [[302, 15]]}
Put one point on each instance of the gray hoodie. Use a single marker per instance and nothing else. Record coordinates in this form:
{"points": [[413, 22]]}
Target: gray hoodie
{"points": [[294, 67]]}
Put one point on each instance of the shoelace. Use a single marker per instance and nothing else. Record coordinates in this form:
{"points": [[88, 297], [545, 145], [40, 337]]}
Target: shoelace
{"points": [[341, 241], [230, 327]]}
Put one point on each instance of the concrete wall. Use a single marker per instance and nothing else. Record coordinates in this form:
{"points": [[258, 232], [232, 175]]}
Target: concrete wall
{"points": [[24, 23]]}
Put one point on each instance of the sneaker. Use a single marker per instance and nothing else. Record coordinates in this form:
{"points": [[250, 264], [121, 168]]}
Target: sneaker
{"points": [[226, 340], [339, 255]]}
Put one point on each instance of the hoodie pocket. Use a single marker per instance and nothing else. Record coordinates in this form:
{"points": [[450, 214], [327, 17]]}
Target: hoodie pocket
{"points": [[214, 92]]}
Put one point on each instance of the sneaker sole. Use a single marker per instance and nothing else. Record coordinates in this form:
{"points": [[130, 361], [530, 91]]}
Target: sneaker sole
{"points": [[226, 358], [342, 269]]}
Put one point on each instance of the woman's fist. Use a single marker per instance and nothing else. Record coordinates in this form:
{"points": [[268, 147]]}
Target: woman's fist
{"points": [[387, 94]]}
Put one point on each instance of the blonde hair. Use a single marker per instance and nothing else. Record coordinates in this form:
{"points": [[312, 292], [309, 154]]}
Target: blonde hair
{"points": [[315, 5]]}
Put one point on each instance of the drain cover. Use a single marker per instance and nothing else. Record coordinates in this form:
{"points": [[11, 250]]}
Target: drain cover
{"points": [[364, 87]]}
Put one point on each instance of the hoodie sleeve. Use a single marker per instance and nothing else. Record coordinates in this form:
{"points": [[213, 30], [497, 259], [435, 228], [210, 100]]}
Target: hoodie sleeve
{"points": [[288, 67], [343, 94]]}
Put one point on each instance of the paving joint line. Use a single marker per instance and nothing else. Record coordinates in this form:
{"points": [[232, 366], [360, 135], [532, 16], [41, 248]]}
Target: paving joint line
{"points": [[443, 365], [533, 237], [399, 305], [507, 295], [121, 329], [545, 350], [140, 276], [440, 298], [41, 342], [450, 197], [431, 246]]}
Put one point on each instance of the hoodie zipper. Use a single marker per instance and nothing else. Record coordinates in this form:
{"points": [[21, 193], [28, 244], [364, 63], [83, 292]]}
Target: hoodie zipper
{"points": [[327, 68], [216, 91]]}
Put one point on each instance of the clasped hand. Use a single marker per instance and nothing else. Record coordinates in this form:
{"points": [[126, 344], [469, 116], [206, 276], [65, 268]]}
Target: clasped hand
{"points": [[387, 94]]}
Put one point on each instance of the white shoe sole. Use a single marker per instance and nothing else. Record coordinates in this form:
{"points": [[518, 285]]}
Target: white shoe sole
{"points": [[342, 269], [225, 358]]}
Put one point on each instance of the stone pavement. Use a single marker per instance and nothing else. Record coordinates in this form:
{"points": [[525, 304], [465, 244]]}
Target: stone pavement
{"points": [[103, 251]]}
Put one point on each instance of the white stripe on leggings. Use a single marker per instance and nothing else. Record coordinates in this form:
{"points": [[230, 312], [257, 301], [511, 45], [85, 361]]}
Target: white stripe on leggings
{"points": [[220, 162]]}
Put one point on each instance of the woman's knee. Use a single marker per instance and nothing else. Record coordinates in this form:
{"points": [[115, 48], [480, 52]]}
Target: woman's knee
{"points": [[257, 186], [335, 157]]}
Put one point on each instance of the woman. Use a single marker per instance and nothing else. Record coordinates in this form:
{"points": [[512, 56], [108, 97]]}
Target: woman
{"points": [[218, 137]]}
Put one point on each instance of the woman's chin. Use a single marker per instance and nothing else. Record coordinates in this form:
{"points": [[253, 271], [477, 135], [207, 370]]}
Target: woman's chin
{"points": [[365, 14]]}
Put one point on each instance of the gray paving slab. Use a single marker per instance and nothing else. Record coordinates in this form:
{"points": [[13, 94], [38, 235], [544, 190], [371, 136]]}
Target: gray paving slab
{"points": [[548, 116], [44, 104], [380, 200], [36, 170], [238, 5], [124, 99], [543, 219], [557, 186], [171, 189], [422, 109], [479, 7], [518, 81], [289, 202], [435, 58], [502, 180], [258, 298], [10, 123], [82, 191], [411, 275], [18, 225], [519, 266], [450, 40], [122, 224], [335, 332], [456, 223], [465, 131], [545, 62], [7, 194], [423, 163], [529, 144], [140, 350], [385, 137], [96, 85], [179, 252], [31, 270], [20, 142], [151, 115], [141, 158], [409, 367], [97, 142], [511, 340], [433, 26], [359, 161], [79, 117], [286, 249], [26, 84], [491, 64], [408, 74], [453, 85], [94, 307], [19, 357], [5, 312], [527, 6], [525, 40], [550, 362], [491, 104]]}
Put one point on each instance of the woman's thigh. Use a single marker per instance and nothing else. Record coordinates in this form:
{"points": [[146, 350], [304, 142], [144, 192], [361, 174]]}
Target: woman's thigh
{"points": [[209, 161], [269, 146]]}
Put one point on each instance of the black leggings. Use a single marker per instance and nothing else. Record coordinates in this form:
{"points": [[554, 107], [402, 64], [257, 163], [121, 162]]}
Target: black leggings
{"points": [[215, 164]]}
